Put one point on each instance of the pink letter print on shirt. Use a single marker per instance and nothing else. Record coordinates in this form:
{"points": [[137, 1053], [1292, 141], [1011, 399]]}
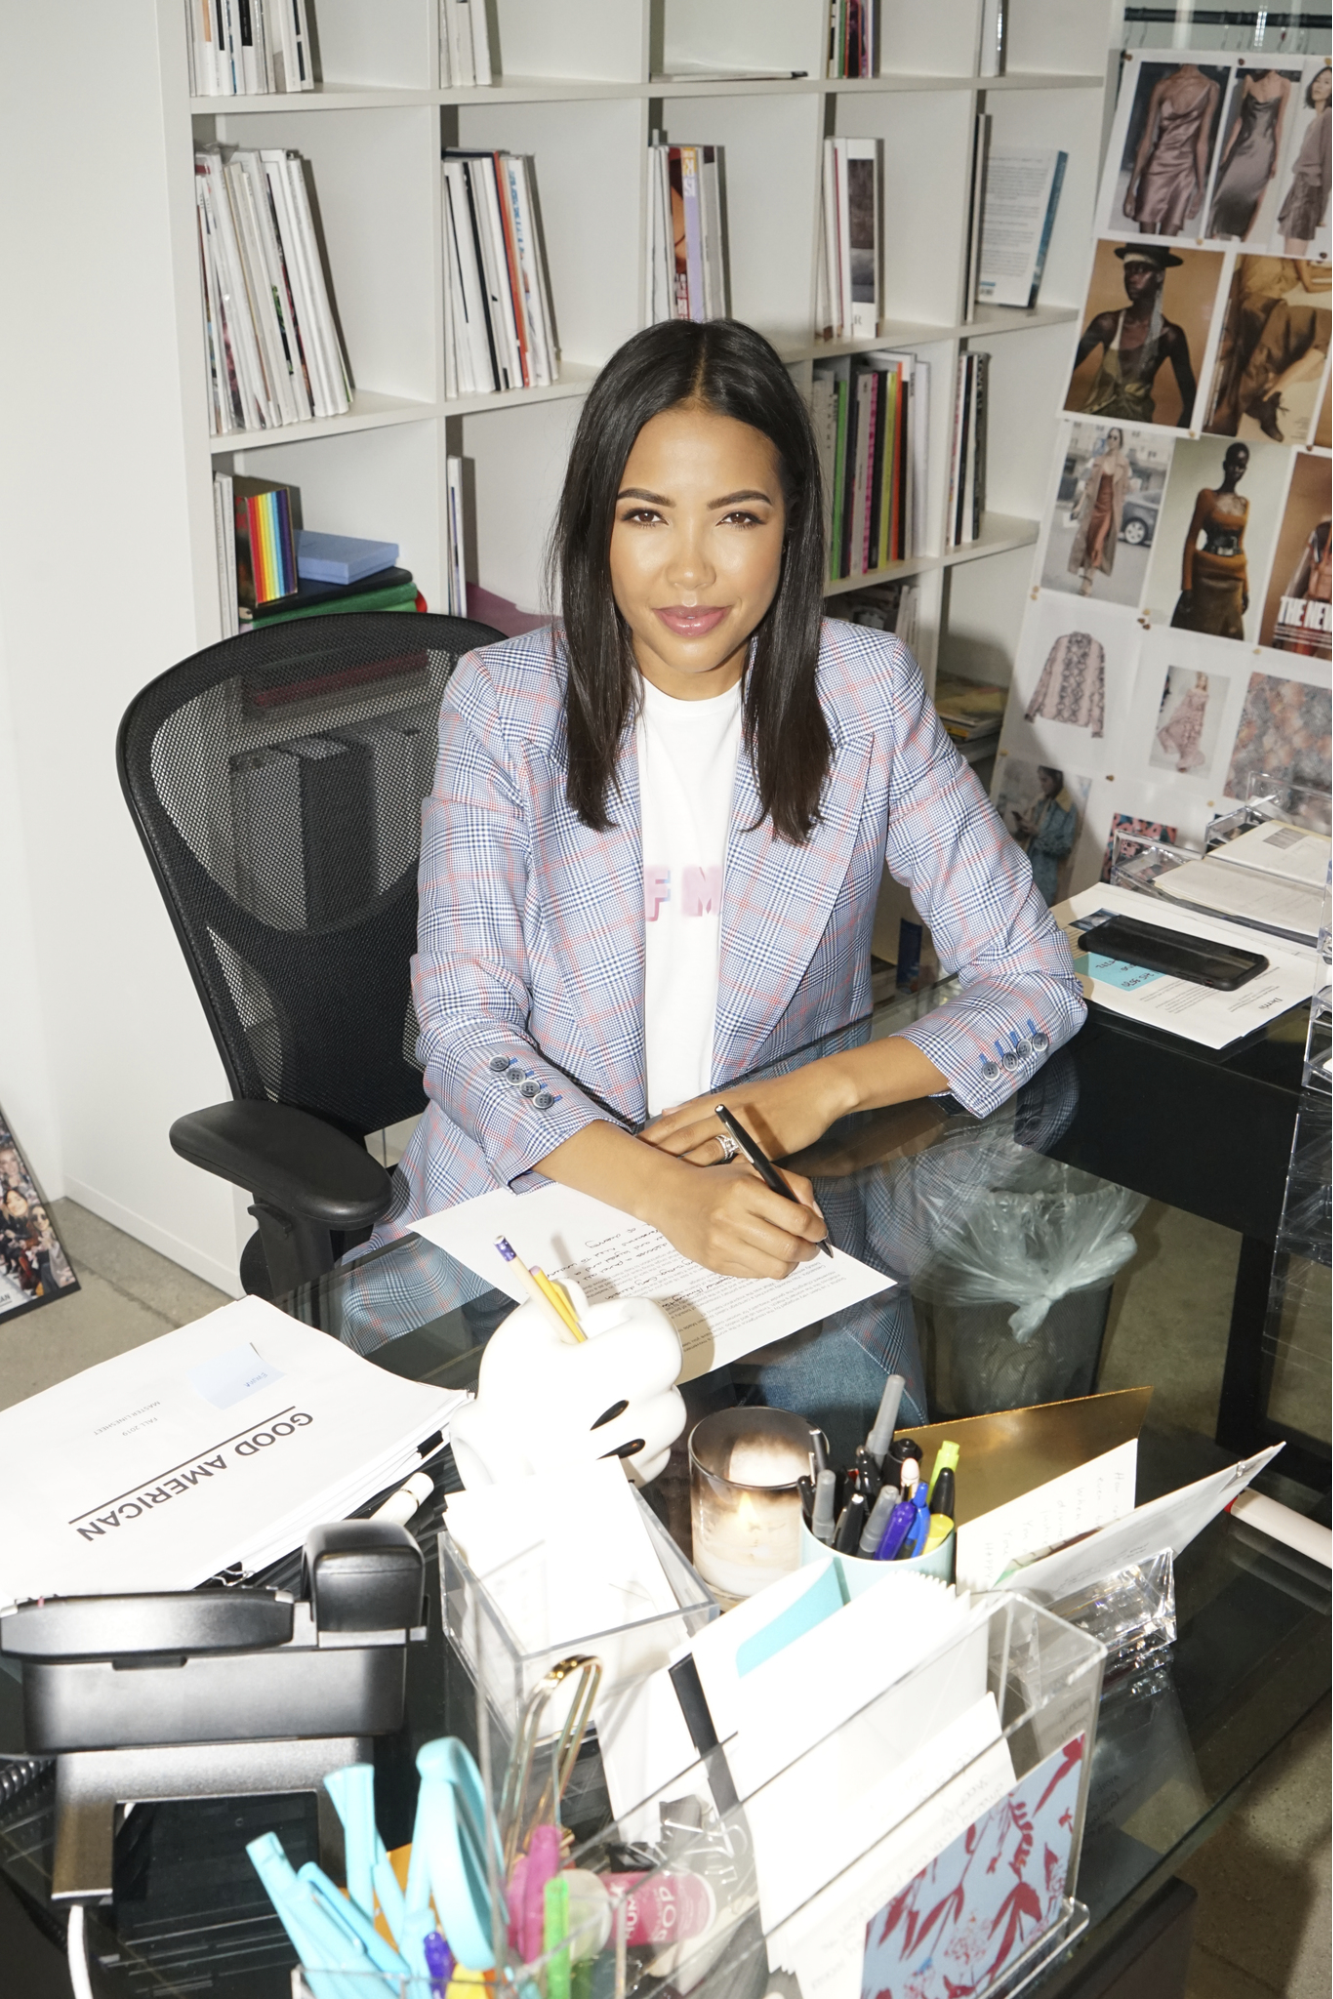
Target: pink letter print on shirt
{"points": [[701, 892], [656, 891]]}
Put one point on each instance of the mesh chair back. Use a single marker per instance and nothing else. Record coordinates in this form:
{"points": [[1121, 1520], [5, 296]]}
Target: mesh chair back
{"points": [[276, 781]]}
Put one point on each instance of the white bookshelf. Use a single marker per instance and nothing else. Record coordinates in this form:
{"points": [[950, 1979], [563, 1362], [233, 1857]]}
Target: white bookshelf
{"points": [[579, 85]]}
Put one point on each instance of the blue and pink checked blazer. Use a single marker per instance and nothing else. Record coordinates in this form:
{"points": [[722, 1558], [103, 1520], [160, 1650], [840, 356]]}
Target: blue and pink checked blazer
{"points": [[529, 974]]}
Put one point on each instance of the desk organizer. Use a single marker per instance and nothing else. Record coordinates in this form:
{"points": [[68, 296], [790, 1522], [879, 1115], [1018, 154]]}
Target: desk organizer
{"points": [[508, 1670], [1006, 1711]]}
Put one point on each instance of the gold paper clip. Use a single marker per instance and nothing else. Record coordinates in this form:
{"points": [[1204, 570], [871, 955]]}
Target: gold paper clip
{"points": [[516, 1824]]}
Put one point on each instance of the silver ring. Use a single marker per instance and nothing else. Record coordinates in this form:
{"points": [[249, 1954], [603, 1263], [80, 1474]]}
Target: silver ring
{"points": [[728, 1144]]}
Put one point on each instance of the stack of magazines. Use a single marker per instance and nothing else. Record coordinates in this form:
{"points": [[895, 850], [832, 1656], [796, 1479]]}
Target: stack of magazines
{"points": [[847, 276], [851, 38], [687, 256], [967, 465], [499, 330], [885, 607], [465, 44], [274, 356], [247, 48], [870, 417]]}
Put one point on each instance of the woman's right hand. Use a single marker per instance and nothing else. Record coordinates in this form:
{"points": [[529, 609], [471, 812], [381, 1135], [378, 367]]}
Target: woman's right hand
{"points": [[725, 1218]]}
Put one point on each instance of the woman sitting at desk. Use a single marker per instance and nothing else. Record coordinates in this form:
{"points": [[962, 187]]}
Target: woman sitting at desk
{"points": [[651, 858]]}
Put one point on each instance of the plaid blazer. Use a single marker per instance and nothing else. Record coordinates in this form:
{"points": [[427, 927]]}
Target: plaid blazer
{"points": [[529, 974]]}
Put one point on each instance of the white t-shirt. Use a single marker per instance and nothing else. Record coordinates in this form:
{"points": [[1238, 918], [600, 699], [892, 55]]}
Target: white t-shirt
{"points": [[687, 775]]}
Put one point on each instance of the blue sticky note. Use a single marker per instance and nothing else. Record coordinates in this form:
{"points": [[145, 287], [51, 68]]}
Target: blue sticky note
{"points": [[231, 1376], [825, 1596], [1126, 978]]}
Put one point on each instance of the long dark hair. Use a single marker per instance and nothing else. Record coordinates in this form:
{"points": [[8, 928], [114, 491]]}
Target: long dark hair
{"points": [[730, 369]]}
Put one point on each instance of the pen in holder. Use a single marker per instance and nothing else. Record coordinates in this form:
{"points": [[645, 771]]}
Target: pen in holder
{"points": [[546, 1399]]}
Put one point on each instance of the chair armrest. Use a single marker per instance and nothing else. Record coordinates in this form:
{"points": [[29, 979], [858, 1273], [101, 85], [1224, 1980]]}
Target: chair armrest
{"points": [[289, 1159]]}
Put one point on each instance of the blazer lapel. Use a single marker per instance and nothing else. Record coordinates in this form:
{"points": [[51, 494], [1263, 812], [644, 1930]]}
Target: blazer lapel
{"points": [[594, 887], [776, 904]]}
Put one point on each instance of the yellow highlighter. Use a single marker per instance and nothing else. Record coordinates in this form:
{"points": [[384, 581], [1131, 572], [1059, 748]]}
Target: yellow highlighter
{"points": [[942, 1499]]}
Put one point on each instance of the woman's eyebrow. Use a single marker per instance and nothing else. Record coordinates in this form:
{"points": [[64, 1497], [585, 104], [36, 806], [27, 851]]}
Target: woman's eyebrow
{"points": [[639, 493], [733, 499]]}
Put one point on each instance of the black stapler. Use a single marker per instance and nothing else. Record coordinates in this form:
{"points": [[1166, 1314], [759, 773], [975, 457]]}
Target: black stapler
{"points": [[215, 1692]]}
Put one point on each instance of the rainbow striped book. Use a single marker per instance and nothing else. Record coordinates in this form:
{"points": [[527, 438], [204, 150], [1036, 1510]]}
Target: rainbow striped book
{"points": [[265, 549]]}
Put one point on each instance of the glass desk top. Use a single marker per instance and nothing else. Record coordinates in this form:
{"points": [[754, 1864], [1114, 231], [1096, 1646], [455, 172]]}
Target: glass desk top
{"points": [[916, 1191]]}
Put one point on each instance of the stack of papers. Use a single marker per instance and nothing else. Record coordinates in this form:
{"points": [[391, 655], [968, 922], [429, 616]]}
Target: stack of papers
{"points": [[1272, 878], [610, 1255], [1198, 1013], [1265, 902], [218, 1446]]}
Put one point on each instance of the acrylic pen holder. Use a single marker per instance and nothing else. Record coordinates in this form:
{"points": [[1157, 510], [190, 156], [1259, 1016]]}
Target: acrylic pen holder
{"points": [[507, 1667]]}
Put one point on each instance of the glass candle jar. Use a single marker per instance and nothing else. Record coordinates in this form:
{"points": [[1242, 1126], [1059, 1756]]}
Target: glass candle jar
{"points": [[745, 1508]]}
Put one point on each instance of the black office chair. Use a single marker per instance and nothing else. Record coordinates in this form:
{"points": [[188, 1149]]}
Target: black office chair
{"points": [[276, 781]]}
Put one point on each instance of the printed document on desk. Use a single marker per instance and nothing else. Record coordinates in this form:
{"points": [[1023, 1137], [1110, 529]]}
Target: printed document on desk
{"points": [[1178, 1006], [1292, 909], [218, 1445], [1293, 853], [610, 1255]]}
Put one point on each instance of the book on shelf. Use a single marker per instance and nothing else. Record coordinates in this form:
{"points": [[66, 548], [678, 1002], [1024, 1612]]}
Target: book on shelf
{"points": [[340, 558], [1017, 217], [847, 305], [967, 460], [248, 48], [885, 607], [253, 517], [465, 44], [265, 547], [976, 204], [969, 709], [994, 37], [851, 37], [391, 590], [273, 349], [870, 414], [687, 250], [499, 329]]}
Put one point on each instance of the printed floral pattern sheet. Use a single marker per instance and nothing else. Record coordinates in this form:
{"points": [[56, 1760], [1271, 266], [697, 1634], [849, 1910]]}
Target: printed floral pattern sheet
{"points": [[969, 1915]]}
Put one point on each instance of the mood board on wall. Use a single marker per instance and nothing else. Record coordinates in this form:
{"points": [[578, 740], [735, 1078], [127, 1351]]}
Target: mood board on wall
{"points": [[1177, 639]]}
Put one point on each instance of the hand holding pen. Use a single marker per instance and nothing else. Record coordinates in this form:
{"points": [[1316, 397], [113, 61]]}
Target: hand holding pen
{"points": [[761, 1163]]}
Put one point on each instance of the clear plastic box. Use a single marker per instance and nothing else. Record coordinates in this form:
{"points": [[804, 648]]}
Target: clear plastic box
{"points": [[508, 1669], [1012, 1752]]}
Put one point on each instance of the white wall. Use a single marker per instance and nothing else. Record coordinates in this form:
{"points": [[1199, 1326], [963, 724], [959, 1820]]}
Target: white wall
{"points": [[97, 560]]}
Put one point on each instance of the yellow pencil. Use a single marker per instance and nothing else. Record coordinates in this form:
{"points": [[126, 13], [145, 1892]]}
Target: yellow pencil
{"points": [[559, 1297]]}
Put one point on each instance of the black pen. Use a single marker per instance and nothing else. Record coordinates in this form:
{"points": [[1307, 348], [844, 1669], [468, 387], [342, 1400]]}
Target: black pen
{"points": [[762, 1165]]}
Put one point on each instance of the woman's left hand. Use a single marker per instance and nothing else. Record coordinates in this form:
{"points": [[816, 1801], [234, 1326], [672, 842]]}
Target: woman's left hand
{"points": [[784, 1114]]}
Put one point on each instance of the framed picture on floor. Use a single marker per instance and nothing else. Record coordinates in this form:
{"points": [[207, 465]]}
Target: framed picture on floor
{"points": [[34, 1268]]}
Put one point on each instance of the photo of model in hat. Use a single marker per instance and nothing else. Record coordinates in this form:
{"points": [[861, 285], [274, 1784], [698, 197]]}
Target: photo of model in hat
{"points": [[1145, 329]]}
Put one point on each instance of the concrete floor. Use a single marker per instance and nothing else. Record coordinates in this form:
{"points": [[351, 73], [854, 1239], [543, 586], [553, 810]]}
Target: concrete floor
{"points": [[1262, 1926]]}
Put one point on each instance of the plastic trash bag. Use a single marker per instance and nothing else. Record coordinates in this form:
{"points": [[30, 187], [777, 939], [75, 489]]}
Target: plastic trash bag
{"points": [[1049, 1229]]}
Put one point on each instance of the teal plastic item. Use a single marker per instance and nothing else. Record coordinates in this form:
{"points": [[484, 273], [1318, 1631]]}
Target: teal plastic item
{"points": [[448, 1861], [326, 1950], [359, 1926], [353, 1793]]}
